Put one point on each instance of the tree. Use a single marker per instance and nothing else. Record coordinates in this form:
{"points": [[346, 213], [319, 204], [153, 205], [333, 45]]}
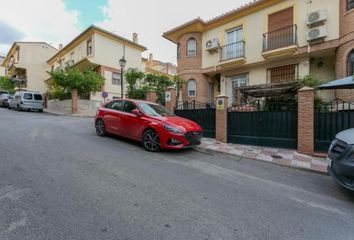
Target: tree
{"points": [[132, 76], [158, 83], [7, 84], [73, 79]]}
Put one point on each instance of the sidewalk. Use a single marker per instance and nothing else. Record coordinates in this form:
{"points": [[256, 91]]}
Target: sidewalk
{"points": [[66, 114], [284, 157]]}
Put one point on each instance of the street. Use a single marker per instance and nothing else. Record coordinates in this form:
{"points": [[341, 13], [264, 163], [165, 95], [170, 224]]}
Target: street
{"points": [[58, 180]]}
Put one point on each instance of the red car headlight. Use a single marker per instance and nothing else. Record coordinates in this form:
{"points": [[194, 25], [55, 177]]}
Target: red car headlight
{"points": [[172, 129]]}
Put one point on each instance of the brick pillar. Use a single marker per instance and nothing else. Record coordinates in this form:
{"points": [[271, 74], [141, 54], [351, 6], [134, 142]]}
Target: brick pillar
{"points": [[170, 98], [305, 119], [74, 100], [221, 118], [238, 100], [151, 96]]}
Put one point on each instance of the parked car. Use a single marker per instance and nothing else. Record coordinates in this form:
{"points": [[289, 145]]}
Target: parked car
{"points": [[27, 101], [3, 92], [150, 123], [4, 100], [341, 159]]}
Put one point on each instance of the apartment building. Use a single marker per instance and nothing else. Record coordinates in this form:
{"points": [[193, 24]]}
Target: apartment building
{"points": [[154, 66], [100, 50], [26, 63], [264, 42], [2, 69]]}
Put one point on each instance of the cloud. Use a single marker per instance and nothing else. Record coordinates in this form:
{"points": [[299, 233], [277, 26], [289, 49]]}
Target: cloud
{"points": [[39, 20], [9, 33], [151, 18]]}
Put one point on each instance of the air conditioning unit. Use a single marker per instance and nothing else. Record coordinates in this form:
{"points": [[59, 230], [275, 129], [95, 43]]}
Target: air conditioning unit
{"points": [[212, 45], [316, 33], [317, 17]]}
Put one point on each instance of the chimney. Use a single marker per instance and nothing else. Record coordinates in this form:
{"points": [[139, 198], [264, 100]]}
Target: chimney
{"points": [[60, 46], [135, 37], [150, 56]]}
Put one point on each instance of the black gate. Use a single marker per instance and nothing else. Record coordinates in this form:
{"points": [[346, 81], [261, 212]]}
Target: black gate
{"points": [[201, 113], [264, 123], [330, 119]]}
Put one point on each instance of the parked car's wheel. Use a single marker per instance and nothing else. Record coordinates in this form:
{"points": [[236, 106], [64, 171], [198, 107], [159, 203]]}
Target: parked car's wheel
{"points": [[40, 110], [151, 141], [100, 128], [18, 108]]}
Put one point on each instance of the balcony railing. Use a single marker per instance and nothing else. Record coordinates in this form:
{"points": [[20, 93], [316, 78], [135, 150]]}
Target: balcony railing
{"points": [[280, 38], [232, 51]]}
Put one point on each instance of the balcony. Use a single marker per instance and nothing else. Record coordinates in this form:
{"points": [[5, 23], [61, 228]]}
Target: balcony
{"points": [[281, 42], [233, 53]]}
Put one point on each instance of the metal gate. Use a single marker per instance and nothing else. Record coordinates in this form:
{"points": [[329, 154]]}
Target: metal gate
{"points": [[201, 113], [330, 119], [263, 123]]}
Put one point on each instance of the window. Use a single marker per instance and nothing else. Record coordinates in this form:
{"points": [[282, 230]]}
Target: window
{"points": [[191, 47], [178, 50], [351, 63], [38, 97], [237, 81], [72, 56], [27, 96], [116, 78], [234, 44], [282, 74], [18, 54], [192, 88], [52, 68], [129, 107], [89, 46], [115, 105], [155, 110], [350, 4]]}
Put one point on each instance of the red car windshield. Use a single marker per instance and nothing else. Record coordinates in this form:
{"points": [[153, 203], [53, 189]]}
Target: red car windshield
{"points": [[155, 110]]}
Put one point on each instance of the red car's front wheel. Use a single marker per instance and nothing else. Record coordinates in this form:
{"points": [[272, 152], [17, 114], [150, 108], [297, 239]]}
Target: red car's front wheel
{"points": [[151, 141]]}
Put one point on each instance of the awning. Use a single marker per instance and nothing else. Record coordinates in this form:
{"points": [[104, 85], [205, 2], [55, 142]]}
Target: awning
{"points": [[270, 90], [343, 83]]}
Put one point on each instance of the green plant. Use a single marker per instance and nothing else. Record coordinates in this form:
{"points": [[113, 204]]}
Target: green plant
{"points": [[158, 83], [84, 82], [310, 81], [7, 84], [59, 93], [179, 82], [132, 76]]}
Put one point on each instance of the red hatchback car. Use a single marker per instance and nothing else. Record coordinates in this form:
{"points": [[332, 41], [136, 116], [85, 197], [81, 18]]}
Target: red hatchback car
{"points": [[150, 123]]}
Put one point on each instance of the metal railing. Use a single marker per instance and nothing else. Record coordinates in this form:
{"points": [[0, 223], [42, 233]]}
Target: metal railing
{"points": [[232, 51], [280, 38], [192, 105]]}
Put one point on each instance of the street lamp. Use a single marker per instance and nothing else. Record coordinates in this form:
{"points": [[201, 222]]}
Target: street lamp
{"points": [[122, 63]]}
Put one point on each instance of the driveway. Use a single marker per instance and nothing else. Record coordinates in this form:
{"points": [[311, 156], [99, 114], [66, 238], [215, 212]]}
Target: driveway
{"points": [[58, 180]]}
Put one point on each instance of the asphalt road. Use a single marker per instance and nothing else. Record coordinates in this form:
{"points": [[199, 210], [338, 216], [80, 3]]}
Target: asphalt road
{"points": [[58, 180]]}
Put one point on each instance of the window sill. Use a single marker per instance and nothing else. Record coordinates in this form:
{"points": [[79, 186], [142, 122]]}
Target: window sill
{"points": [[347, 12]]}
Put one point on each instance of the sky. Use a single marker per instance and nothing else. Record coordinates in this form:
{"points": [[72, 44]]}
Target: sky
{"points": [[59, 21]]}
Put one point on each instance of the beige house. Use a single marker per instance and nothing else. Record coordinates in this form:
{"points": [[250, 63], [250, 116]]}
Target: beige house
{"points": [[263, 42], [154, 66], [26, 62], [2, 69], [100, 50]]}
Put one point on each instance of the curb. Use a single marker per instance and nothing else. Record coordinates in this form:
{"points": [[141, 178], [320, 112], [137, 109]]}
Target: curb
{"points": [[67, 115], [260, 160]]}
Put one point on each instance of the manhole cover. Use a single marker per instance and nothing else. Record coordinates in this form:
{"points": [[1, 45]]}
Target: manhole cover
{"points": [[276, 156]]}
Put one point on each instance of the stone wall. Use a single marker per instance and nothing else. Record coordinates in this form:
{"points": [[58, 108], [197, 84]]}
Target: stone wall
{"points": [[85, 107]]}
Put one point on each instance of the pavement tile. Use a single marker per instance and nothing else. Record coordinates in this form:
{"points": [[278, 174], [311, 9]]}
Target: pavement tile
{"points": [[319, 168], [302, 158], [272, 150], [286, 156], [268, 153], [265, 158], [236, 152], [319, 162], [300, 164], [283, 162], [249, 155]]}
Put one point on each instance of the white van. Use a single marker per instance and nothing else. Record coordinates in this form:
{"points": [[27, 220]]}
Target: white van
{"points": [[27, 101]]}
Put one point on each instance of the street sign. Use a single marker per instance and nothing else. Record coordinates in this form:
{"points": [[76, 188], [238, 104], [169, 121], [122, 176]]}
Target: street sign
{"points": [[104, 94]]}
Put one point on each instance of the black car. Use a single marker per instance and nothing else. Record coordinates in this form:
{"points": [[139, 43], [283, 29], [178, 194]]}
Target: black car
{"points": [[341, 159]]}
